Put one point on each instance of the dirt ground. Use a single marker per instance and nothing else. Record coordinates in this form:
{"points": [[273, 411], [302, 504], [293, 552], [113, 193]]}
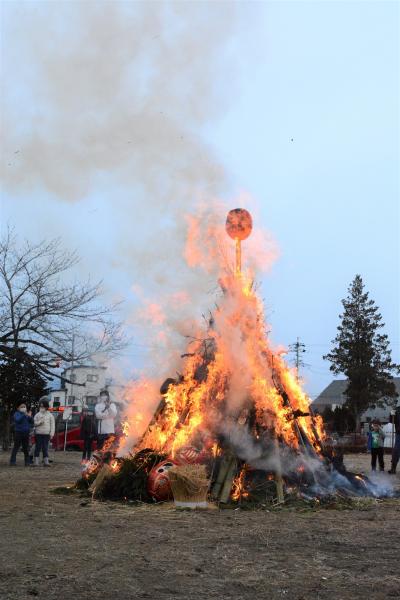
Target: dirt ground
{"points": [[62, 547]]}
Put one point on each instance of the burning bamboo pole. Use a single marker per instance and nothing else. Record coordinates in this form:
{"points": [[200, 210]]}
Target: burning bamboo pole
{"points": [[278, 475], [238, 226], [238, 266]]}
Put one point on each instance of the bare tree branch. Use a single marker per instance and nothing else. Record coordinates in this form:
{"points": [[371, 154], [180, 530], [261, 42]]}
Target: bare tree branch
{"points": [[40, 309]]}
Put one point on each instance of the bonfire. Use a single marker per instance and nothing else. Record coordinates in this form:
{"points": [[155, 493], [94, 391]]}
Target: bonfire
{"points": [[235, 409]]}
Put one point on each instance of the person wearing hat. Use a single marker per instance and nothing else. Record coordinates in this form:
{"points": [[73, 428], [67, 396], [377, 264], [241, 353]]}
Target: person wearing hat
{"points": [[376, 445], [22, 425], [105, 411]]}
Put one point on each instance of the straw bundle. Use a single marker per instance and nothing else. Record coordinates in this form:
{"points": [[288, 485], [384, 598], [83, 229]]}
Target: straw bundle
{"points": [[189, 485], [105, 473]]}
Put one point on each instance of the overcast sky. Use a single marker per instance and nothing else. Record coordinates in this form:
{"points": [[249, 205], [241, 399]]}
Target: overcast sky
{"points": [[117, 120]]}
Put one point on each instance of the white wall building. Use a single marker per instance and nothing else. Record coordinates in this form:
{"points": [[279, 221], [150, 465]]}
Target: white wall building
{"points": [[83, 387]]}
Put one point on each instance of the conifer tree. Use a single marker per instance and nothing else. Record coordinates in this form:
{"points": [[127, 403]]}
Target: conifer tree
{"points": [[20, 381], [362, 353]]}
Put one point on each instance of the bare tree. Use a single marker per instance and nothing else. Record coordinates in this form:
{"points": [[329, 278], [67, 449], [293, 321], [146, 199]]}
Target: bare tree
{"points": [[41, 309]]}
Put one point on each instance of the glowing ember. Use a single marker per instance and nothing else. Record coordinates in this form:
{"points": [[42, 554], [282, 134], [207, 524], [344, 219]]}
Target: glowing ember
{"points": [[115, 466]]}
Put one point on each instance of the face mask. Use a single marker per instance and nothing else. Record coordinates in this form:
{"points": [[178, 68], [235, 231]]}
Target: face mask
{"points": [[22, 409], [42, 409]]}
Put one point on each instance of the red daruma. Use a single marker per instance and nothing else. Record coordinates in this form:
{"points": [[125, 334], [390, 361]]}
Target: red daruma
{"points": [[158, 484]]}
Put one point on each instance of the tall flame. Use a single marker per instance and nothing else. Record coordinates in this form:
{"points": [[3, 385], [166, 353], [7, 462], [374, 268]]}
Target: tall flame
{"points": [[229, 374]]}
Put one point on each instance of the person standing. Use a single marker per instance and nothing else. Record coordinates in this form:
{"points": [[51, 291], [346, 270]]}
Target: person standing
{"points": [[105, 411], [22, 425], [376, 445], [395, 419], [87, 434], [44, 431]]}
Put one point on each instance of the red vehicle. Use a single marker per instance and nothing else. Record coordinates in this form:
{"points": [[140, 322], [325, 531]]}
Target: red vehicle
{"points": [[73, 428], [73, 441]]}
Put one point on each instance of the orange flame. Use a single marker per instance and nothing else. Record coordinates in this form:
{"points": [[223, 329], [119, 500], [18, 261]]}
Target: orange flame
{"points": [[229, 371], [238, 488]]}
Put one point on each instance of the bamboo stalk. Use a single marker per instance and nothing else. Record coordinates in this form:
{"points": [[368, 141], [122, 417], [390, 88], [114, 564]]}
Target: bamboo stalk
{"points": [[222, 471], [238, 266], [278, 475], [228, 481]]}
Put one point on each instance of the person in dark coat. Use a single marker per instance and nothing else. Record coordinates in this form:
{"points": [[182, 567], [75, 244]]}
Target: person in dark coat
{"points": [[395, 419], [87, 433], [23, 422]]}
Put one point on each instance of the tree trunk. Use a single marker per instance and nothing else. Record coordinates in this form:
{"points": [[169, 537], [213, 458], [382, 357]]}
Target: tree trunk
{"points": [[6, 431], [357, 418]]}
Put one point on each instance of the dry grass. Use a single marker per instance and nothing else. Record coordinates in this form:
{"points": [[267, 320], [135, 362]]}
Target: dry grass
{"points": [[189, 484]]}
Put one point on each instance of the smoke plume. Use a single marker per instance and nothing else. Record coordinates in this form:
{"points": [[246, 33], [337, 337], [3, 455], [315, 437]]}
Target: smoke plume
{"points": [[115, 99]]}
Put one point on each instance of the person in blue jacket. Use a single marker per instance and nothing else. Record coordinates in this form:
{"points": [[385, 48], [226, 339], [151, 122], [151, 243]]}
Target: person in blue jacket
{"points": [[23, 422]]}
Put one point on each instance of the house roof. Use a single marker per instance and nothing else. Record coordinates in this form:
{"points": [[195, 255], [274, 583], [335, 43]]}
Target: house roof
{"points": [[334, 394], [75, 367]]}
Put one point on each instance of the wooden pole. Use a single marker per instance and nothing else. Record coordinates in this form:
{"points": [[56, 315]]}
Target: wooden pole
{"points": [[227, 487], [222, 487], [238, 266], [221, 475], [278, 475]]}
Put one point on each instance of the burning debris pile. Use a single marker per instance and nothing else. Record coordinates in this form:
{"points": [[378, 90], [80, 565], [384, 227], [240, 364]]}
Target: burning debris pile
{"points": [[235, 408]]}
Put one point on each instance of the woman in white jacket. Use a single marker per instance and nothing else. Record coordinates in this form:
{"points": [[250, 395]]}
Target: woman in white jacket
{"points": [[44, 431]]}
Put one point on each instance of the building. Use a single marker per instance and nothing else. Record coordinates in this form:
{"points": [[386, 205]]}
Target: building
{"points": [[81, 386], [333, 397]]}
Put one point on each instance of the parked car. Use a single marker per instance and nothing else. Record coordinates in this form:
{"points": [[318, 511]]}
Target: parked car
{"points": [[347, 442], [72, 428]]}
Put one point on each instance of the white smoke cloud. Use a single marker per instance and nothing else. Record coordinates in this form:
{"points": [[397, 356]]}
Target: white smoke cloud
{"points": [[117, 87], [118, 95]]}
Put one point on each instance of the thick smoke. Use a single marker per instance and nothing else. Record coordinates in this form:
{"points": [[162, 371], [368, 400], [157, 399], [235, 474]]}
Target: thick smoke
{"points": [[114, 98], [118, 88], [284, 460], [117, 96]]}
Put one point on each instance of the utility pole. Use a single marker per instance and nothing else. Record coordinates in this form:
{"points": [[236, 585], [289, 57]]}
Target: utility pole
{"points": [[297, 349], [72, 390]]}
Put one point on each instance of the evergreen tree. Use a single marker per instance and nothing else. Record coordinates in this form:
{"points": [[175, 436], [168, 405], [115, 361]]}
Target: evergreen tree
{"points": [[361, 352], [343, 419], [20, 381]]}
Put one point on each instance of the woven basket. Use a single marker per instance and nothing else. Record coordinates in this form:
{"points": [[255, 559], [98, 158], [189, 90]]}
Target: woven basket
{"points": [[189, 484]]}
